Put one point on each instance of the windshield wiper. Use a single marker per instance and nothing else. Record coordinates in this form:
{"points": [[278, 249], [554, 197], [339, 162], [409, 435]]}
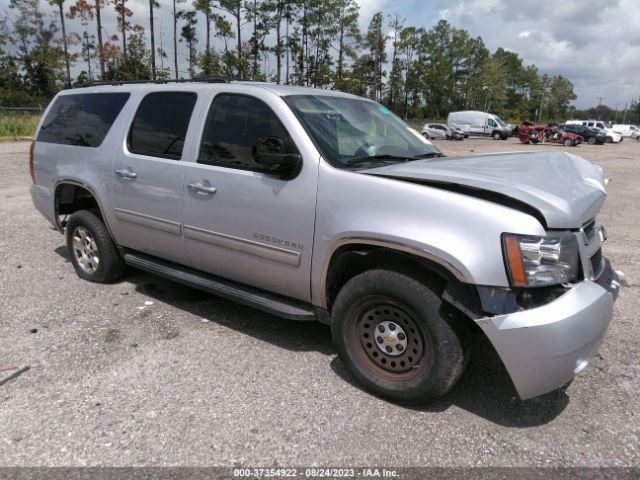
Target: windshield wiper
{"points": [[377, 158], [428, 155]]}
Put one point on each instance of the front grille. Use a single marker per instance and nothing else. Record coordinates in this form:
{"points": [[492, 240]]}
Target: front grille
{"points": [[596, 263], [589, 229]]}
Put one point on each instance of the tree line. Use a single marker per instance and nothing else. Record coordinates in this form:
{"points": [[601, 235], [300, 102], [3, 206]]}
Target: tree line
{"points": [[417, 72]]}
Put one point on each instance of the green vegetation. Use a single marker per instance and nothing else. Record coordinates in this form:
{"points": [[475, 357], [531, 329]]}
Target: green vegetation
{"points": [[418, 73], [14, 126]]}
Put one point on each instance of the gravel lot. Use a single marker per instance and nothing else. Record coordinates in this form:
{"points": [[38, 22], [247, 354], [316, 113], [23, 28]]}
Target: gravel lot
{"points": [[148, 372]]}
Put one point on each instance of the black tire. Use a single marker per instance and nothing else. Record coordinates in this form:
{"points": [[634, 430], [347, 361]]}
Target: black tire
{"points": [[592, 140], [88, 231], [568, 142], [433, 358], [496, 135], [425, 135]]}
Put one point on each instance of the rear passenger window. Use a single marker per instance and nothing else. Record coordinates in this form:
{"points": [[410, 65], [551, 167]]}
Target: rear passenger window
{"points": [[234, 125], [82, 120], [160, 125]]}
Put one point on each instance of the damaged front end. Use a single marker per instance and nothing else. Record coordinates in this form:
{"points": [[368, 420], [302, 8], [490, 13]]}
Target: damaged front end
{"points": [[546, 335]]}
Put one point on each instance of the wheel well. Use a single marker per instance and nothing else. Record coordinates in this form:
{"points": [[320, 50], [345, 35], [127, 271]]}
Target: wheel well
{"points": [[70, 198], [351, 260]]}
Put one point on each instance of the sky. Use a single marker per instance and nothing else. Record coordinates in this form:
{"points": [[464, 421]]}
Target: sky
{"points": [[594, 43]]}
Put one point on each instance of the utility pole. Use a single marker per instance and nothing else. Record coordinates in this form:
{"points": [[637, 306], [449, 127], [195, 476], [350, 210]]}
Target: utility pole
{"points": [[153, 41], [161, 51], [615, 118], [624, 117], [599, 105]]}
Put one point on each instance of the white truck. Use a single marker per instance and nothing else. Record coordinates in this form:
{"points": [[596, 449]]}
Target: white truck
{"points": [[480, 123], [627, 130]]}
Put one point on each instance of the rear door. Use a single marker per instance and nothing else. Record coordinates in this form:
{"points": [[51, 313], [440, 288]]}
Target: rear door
{"points": [[148, 176], [240, 222]]}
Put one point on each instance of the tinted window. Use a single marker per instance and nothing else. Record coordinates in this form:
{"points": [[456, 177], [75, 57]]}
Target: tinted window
{"points": [[83, 120], [491, 123], [234, 125], [160, 125]]}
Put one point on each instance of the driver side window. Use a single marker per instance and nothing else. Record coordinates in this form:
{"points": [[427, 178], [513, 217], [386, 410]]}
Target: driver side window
{"points": [[491, 123], [234, 124]]}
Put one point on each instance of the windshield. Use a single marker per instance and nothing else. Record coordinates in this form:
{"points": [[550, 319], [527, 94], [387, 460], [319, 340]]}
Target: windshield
{"points": [[350, 131], [500, 122]]}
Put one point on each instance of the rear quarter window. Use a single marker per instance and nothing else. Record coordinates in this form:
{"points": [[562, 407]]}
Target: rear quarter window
{"points": [[82, 120]]}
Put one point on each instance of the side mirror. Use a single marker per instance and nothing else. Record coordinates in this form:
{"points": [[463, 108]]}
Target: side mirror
{"points": [[272, 154]]}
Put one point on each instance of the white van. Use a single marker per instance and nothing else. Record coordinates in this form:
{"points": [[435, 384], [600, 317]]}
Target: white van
{"points": [[480, 123], [614, 136], [627, 130]]}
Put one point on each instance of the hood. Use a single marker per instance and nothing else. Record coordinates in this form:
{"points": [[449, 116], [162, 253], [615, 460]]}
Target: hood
{"points": [[560, 189]]}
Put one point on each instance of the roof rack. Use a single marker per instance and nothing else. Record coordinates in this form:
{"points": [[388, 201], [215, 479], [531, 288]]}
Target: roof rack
{"points": [[157, 82]]}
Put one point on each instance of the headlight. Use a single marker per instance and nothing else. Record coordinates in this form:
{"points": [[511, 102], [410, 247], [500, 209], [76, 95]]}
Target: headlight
{"points": [[541, 261]]}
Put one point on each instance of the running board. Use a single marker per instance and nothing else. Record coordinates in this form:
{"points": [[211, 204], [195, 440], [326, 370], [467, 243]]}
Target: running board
{"points": [[267, 302]]}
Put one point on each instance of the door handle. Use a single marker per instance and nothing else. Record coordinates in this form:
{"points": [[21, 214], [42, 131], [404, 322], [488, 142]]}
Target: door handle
{"points": [[126, 173], [201, 188]]}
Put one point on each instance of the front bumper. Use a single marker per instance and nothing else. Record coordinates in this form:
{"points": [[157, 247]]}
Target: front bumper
{"points": [[543, 348]]}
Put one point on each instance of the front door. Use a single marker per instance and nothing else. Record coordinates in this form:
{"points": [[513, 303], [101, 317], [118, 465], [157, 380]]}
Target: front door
{"points": [[148, 177], [490, 126], [241, 222]]}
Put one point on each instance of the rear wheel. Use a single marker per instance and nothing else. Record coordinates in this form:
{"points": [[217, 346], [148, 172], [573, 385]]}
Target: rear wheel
{"points": [[592, 140], [568, 142], [93, 254], [392, 337]]}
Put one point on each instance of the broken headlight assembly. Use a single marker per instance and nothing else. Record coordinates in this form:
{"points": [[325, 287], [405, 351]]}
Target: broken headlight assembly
{"points": [[534, 261]]}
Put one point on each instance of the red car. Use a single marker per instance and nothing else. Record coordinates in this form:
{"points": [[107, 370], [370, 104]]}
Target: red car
{"points": [[547, 134]]}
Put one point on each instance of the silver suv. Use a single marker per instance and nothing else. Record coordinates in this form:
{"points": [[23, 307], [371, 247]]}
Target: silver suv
{"points": [[317, 205]]}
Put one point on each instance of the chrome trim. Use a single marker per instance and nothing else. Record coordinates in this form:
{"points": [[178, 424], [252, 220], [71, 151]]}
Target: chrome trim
{"points": [[268, 252], [588, 246], [381, 243], [156, 223]]}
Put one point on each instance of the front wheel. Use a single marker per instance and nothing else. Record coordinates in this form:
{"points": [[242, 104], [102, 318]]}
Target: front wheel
{"points": [[425, 135], [93, 254], [392, 336], [592, 140], [568, 142], [496, 135]]}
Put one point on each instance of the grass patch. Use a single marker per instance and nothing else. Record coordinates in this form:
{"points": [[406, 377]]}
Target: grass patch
{"points": [[17, 125]]}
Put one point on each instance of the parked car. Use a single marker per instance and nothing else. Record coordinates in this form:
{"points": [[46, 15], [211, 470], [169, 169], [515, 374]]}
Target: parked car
{"points": [[631, 131], [319, 205], [589, 134], [463, 129], [548, 134], [613, 136], [440, 130], [480, 123]]}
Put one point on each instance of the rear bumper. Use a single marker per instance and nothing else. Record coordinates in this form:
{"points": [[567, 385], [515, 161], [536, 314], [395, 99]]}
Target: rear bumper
{"points": [[544, 348], [43, 201]]}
